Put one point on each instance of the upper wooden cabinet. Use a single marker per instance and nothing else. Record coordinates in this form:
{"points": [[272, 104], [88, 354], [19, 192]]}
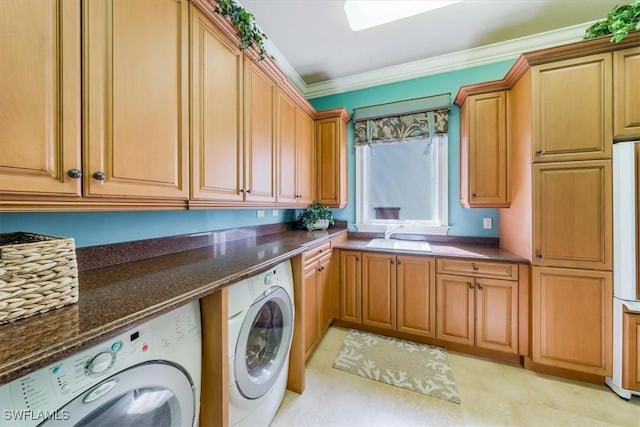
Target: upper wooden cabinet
{"points": [[295, 153], [572, 214], [259, 135], [331, 157], [626, 89], [484, 151], [572, 104], [40, 99], [136, 95], [217, 163]]}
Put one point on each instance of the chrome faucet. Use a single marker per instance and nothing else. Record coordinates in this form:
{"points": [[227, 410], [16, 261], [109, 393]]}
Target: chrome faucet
{"points": [[388, 233]]}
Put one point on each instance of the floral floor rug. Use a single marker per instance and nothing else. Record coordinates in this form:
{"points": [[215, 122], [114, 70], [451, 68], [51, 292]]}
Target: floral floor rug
{"points": [[418, 367]]}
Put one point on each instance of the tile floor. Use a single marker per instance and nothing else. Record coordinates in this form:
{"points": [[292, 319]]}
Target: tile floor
{"points": [[492, 393]]}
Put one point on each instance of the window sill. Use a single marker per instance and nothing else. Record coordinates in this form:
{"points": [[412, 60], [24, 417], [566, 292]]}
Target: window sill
{"points": [[434, 230]]}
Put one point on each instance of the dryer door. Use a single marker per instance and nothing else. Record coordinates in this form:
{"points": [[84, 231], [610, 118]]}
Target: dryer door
{"points": [[263, 343], [150, 394]]}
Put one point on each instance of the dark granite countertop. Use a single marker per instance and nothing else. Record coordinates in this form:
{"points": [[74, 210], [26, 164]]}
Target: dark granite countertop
{"points": [[117, 297]]}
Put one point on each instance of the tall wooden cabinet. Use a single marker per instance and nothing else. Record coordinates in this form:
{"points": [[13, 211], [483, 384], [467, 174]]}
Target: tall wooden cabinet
{"points": [[40, 103], [484, 150], [331, 157], [136, 98], [565, 114]]}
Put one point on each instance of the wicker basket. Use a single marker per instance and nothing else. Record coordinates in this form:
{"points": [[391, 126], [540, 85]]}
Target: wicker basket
{"points": [[37, 273]]}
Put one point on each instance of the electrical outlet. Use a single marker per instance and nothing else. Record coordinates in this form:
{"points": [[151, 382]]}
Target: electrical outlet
{"points": [[260, 214], [274, 212], [487, 223]]}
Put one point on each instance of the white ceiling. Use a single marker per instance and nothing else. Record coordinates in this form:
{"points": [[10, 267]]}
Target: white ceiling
{"points": [[316, 48]]}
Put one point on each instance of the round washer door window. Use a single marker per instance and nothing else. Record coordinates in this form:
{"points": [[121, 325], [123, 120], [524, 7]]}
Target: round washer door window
{"points": [[157, 394], [264, 342]]}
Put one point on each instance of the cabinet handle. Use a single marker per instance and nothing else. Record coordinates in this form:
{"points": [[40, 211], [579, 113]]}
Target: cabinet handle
{"points": [[538, 254], [473, 194], [391, 262], [399, 262], [479, 286], [74, 173], [538, 151], [99, 175], [248, 191], [474, 266], [357, 258], [470, 285]]}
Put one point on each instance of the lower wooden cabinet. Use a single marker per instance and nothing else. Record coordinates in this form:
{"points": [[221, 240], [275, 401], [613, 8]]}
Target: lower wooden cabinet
{"points": [[631, 351], [477, 311], [317, 300], [572, 319], [388, 291]]}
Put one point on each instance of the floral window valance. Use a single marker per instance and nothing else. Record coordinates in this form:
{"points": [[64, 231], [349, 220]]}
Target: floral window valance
{"points": [[402, 121]]}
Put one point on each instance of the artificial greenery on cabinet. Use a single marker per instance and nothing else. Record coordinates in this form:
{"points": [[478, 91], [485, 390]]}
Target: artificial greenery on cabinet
{"points": [[245, 24], [622, 20]]}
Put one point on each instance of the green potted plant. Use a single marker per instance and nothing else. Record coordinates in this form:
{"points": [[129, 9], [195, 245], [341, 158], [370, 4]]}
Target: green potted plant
{"points": [[316, 217], [622, 20]]}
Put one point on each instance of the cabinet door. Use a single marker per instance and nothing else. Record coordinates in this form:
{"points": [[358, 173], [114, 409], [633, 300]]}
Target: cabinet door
{"points": [[416, 295], [287, 150], [572, 205], [626, 87], [136, 128], [259, 135], [216, 105], [331, 152], [350, 286], [571, 319], [484, 179], [572, 104], [631, 351], [310, 309], [455, 308], [324, 294], [379, 290], [305, 162], [39, 97], [497, 315]]}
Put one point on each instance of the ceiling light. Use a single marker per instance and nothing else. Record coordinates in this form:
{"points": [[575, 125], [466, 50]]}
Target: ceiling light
{"points": [[363, 14]]}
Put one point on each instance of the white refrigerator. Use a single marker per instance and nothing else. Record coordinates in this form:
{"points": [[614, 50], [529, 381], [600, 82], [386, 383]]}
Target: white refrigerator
{"points": [[626, 290]]}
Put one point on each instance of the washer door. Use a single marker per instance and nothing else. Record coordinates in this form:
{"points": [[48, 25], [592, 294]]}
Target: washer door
{"points": [[263, 343], [150, 394]]}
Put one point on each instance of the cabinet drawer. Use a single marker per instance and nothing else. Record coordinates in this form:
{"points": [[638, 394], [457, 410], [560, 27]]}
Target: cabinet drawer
{"points": [[312, 254], [477, 268]]}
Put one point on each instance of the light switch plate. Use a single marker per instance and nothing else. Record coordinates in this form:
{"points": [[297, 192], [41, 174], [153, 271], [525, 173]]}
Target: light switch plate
{"points": [[487, 223], [260, 214]]}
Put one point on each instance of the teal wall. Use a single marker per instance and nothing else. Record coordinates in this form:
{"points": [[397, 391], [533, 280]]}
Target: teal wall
{"points": [[96, 228], [463, 222]]}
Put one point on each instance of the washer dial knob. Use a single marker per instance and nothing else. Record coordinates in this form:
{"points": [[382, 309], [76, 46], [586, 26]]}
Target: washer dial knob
{"points": [[268, 279], [100, 363]]}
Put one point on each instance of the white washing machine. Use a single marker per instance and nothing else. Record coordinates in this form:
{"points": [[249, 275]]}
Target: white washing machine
{"points": [[147, 376], [260, 332]]}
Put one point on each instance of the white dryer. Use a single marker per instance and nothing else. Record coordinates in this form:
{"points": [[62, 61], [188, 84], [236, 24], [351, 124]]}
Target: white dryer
{"points": [[260, 331], [147, 376]]}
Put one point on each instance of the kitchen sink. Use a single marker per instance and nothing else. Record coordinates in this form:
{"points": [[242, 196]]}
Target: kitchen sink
{"points": [[404, 245]]}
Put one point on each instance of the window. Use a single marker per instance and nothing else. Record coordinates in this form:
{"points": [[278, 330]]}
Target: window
{"points": [[401, 169]]}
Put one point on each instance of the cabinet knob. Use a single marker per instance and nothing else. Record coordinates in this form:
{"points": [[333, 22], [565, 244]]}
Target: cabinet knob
{"points": [[74, 173], [399, 262], [479, 286], [538, 254], [538, 151], [392, 262], [242, 190], [99, 175], [473, 194], [470, 285], [357, 258], [474, 266], [248, 191]]}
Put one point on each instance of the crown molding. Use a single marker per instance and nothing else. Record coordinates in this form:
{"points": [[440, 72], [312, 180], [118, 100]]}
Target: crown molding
{"points": [[440, 64]]}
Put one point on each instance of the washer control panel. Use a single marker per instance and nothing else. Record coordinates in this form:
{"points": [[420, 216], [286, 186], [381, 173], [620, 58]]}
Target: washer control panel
{"points": [[45, 391]]}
